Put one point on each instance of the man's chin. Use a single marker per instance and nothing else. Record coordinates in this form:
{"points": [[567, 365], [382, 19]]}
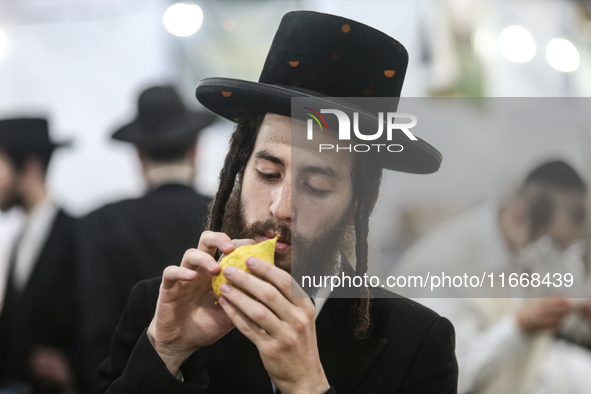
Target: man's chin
{"points": [[283, 260]]}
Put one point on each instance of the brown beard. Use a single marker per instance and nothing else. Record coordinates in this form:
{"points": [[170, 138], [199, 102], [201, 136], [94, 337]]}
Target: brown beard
{"points": [[319, 257]]}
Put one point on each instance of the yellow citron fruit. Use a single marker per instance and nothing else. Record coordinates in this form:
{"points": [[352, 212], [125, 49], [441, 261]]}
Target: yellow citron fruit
{"points": [[237, 258]]}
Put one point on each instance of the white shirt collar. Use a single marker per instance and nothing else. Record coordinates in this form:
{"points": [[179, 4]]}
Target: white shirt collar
{"points": [[173, 173], [30, 244], [320, 300]]}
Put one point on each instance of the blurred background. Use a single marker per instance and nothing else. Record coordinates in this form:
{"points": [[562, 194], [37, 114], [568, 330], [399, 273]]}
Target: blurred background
{"points": [[83, 63]]}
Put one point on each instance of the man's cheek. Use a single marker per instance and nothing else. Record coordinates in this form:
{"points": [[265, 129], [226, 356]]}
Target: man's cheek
{"points": [[4, 191], [321, 211], [312, 223], [255, 207]]}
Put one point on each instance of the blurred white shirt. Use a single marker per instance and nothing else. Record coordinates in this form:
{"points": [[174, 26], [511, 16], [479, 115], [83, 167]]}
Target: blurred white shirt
{"points": [[494, 356], [32, 240]]}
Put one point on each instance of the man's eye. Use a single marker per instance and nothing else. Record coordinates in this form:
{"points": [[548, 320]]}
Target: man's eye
{"points": [[316, 192], [268, 177]]}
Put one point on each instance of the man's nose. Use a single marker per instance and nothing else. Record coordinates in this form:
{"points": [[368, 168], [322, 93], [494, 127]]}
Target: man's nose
{"points": [[281, 206]]}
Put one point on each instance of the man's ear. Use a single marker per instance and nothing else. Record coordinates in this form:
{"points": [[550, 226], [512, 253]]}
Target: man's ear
{"points": [[193, 150], [351, 215], [520, 213], [351, 218], [520, 223], [142, 156], [33, 168]]}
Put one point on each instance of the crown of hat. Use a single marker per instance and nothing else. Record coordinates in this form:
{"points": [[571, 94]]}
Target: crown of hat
{"points": [[25, 134], [335, 56], [159, 104]]}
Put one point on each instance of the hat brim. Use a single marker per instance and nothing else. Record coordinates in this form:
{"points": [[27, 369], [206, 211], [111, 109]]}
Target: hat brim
{"points": [[236, 99], [62, 144], [179, 132], [43, 146]]}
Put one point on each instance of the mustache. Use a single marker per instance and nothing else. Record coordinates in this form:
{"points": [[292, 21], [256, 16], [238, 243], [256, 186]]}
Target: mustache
{"points": [[269, 226]]}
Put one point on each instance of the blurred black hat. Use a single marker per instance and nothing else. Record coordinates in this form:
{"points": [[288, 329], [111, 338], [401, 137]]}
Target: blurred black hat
{"points": [[163, 122], [321, 55], [558, 174], [27, 135]]}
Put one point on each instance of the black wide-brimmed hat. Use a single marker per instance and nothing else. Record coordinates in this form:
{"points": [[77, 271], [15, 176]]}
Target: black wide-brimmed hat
{"points": [[27, 135], [321, 55], [163, 122]]}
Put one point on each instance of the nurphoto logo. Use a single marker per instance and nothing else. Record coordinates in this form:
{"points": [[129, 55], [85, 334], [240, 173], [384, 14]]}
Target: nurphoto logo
{"points": [[345, 130]]}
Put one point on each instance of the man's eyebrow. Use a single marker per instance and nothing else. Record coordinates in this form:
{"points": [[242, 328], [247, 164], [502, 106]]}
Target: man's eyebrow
{"points": [[326, 170], [266, 155]]}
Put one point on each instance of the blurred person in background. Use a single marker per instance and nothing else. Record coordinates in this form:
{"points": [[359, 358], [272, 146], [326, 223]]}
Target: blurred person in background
{"points": [[134, 239], [509, 345], [38, 319]]}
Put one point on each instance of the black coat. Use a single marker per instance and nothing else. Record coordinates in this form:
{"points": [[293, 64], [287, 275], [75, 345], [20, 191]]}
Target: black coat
{"points": [[44, 312], [410, 350], [121, 244]]}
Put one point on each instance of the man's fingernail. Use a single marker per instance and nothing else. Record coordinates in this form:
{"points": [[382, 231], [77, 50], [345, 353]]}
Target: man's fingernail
{"points": [[251, 262], [225, 288], [213, 266], [228, 245], [229, 271]]}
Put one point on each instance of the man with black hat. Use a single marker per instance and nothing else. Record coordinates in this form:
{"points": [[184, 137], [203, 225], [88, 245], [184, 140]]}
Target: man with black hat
{"points": [[125, 242], [38, 319], [174, 338]]}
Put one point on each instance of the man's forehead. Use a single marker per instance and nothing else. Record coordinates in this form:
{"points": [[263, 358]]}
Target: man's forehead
{"points": [[4, 155], [567, 198], [275, 129], [283, 136]]}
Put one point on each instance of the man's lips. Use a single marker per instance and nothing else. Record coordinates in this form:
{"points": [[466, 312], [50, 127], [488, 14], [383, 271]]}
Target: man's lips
{"points": [[282, 244]]}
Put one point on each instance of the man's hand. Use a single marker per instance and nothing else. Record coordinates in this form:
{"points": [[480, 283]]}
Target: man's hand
{"points": [[187, 316], [586, 308], [50, 367], [281, 326], [543, 314]]}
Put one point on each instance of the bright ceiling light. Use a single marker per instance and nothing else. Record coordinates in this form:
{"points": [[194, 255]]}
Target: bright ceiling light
{"points": [[517, 44], [182, 20], [562, 55], [2, 43]]}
